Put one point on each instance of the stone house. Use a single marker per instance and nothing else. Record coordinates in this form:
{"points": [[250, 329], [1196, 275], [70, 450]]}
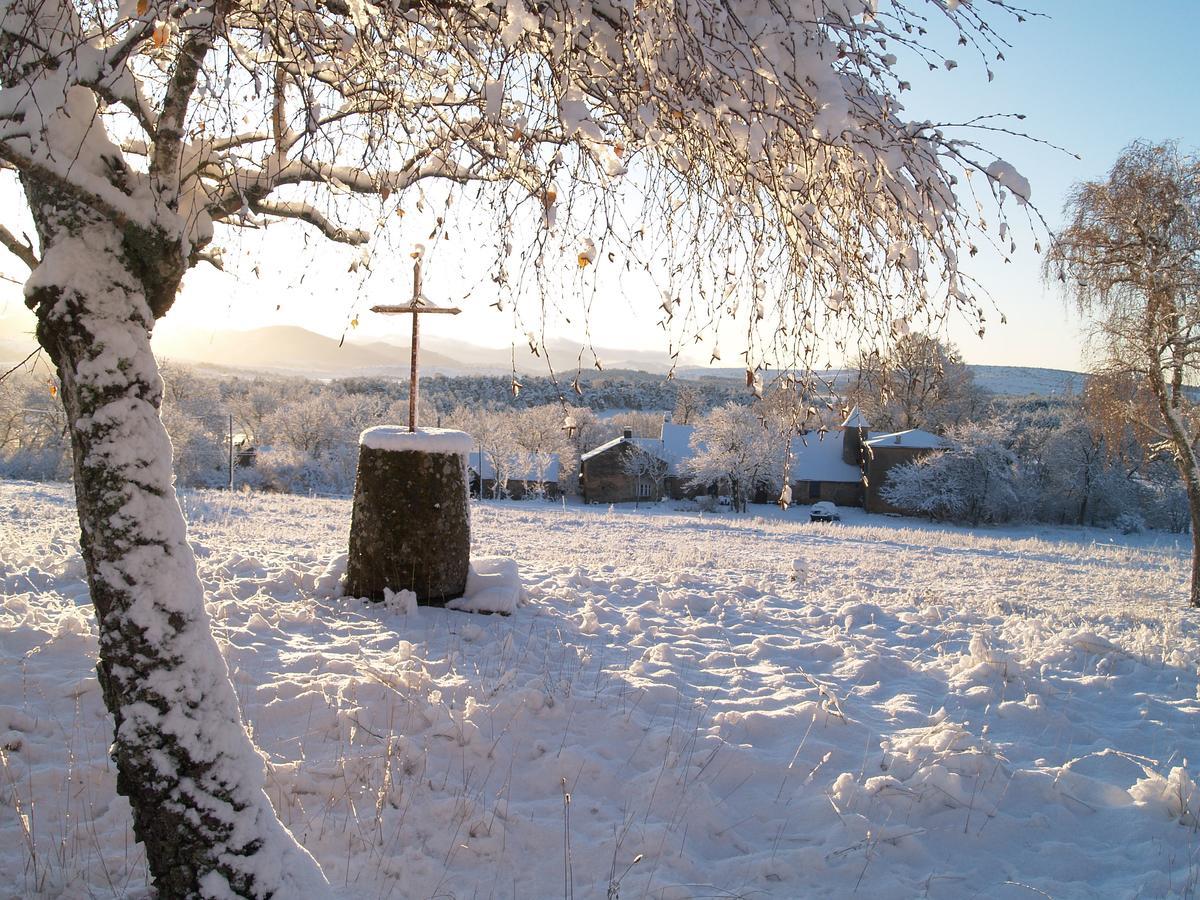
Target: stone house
{"points": [[521, 484], [886, 451], [626, 469], [849, 465]]}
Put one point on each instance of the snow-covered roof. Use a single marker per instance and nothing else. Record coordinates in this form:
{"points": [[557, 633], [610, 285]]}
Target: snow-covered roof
{"points": [[856, 419], [650, 445], [487, 470], [673, 448], [817, 458], [677, 445], [913, 438]]}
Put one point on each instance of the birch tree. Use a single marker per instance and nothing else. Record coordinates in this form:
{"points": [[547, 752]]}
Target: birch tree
{"points": [[767, 137], [1130, 258]]}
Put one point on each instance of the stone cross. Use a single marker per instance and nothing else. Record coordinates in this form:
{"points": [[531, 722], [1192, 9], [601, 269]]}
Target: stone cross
{"points": [[416, 307]]}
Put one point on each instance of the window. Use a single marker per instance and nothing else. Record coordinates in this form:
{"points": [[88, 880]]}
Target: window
{"points": [[643, 489], [814, 490]]}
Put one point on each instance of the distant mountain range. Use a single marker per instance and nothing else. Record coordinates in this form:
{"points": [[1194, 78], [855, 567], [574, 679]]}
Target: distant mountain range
{"points": [[288, 349]]}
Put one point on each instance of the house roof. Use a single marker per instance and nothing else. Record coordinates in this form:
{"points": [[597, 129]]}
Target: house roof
{"points": [[487, 470], [650, 445], [677, 445], [913, 438], [856, 419], [819, 458]]}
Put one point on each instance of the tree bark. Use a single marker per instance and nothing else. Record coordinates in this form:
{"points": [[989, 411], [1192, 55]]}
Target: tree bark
{"points": [[193, 779]]}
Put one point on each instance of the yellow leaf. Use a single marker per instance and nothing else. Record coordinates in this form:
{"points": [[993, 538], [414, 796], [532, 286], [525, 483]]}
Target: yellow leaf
{"points": [[162, 31], [53, 389], [400, 213], [551, 196], [143, 7], [584, 260], [354, 322]]}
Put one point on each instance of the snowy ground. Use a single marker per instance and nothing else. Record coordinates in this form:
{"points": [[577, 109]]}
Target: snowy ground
{"points": [[677, 711]]}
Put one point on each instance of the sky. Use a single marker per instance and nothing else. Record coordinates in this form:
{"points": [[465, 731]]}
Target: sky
{"points": [[1090, 76]]}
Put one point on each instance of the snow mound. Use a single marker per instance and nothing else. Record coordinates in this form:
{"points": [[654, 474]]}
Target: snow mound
{"points": [[493, 586]]}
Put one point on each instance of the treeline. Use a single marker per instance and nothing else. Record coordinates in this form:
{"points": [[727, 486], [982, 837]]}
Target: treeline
{"points": [[598, 392], [1078, 459], [301, 436]]}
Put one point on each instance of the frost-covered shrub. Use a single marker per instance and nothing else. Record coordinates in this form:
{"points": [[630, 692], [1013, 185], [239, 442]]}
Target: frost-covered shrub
{"points": [[1130, 523], [974, 481], [291, 471], [33, 442], [46, 463]]}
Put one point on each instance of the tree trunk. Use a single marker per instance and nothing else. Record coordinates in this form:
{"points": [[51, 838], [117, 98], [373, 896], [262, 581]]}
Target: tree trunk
{"points": [[192, 777], [1185, 457], [1194, 508]]}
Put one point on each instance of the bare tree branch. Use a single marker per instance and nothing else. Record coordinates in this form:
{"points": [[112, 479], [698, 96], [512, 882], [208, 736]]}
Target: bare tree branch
{"points": [[22, 251]]}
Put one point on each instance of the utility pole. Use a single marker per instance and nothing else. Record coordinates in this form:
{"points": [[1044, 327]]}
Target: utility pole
{"points": [[231, 451]]}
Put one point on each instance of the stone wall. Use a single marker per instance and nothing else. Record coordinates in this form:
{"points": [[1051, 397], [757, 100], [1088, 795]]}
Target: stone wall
{"points": [[603, 479]]}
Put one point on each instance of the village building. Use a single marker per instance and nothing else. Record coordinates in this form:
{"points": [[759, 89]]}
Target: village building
{"points": [[520, 484], [847, 466], [886, 451], [626, 469]]}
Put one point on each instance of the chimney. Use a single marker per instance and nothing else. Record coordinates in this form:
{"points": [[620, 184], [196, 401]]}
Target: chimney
{"points": [[627, 433]]}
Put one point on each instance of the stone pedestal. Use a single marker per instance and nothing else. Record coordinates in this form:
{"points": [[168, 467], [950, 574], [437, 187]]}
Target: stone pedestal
{"points": [[411, 524]]}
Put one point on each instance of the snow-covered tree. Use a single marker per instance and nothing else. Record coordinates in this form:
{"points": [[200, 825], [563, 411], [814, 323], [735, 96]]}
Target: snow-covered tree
{"points": [[918, 382], [33, 427], [731, 445], [974, 481], [767, 138], [1130, 257]]}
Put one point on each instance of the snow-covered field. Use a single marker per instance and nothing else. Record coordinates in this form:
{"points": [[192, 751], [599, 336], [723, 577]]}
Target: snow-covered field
{"points": [[686, 707]]}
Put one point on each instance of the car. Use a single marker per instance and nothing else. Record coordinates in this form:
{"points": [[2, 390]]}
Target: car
{"points": [[824, 512]]}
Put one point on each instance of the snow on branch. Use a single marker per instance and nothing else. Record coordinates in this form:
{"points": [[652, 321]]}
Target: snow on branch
{"points": [[285, 209], [767, 143]]}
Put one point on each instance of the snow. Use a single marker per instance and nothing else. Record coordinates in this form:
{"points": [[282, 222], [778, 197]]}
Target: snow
{"points": [[423, 440], [1006, 175], [856, 419], [818, 457], [913, 438], [676, 445], [754, 705], [493, 586], [650, 445]]}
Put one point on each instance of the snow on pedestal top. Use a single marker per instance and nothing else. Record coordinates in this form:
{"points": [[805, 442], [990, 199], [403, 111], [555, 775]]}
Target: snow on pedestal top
{"points": [[423, 440]]}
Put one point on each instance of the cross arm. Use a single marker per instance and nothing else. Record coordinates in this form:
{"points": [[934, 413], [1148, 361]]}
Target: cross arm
{"points": [[410, 308]]}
